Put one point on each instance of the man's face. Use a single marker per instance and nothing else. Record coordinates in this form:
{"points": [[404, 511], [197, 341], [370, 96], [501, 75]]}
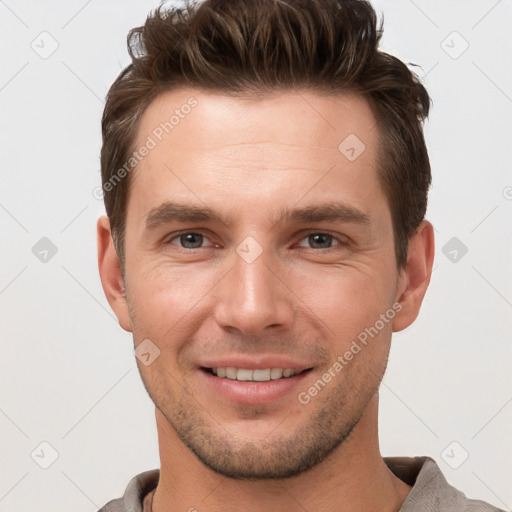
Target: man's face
{"points": [[276, 284]]}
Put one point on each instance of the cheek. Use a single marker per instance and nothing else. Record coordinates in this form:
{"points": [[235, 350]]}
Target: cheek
{"points": [[170, 301], [346, 299], [165, 299]]}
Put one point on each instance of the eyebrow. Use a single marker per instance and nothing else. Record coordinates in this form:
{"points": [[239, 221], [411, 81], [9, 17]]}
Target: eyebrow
{"points": [[177, 212]]}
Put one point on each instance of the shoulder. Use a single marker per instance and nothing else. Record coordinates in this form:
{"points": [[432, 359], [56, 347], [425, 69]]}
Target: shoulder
{"points": [[430, 489], [115, 505], [133, 497], [480, 506]]}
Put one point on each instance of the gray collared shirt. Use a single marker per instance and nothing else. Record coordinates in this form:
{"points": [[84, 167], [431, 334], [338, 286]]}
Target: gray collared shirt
{"points": [[430, 490]]}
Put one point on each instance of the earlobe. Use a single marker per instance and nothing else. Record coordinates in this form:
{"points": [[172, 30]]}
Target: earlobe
{"points": [[110, 273], [415, 278]]}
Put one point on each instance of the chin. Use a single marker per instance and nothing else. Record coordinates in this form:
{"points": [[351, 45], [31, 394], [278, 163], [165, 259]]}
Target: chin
{"points": [[276, 456]]}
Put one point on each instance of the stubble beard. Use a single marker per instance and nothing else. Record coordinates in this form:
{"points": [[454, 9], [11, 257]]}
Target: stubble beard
{"points": [[277, 456]]}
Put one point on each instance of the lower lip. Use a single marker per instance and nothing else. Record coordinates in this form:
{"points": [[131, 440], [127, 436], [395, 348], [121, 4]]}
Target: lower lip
{"points": [[253, 393]]}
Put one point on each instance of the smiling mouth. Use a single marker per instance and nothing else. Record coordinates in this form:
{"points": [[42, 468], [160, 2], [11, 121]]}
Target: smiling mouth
{"points": [[260, 375]]}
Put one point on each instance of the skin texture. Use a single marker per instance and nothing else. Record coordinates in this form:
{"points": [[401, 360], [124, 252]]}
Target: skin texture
{"points": [[304, 298]]}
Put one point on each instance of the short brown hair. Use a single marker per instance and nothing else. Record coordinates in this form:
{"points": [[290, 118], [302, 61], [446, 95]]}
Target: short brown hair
{"points": [[258, 46]]}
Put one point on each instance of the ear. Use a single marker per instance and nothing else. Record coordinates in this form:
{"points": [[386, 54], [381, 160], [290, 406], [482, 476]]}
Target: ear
{"points": [[110, 273], [415, 277]]}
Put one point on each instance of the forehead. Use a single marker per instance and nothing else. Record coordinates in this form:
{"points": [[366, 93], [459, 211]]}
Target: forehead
{"points": [[303, 119], [300, 141]]}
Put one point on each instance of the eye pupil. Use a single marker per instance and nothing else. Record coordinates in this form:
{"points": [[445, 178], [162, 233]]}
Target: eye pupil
{"points": [[320, 238], [195, 239], [191, 240]]}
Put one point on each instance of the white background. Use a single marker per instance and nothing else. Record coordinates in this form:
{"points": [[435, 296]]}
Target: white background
{"points": [[68, 374]]}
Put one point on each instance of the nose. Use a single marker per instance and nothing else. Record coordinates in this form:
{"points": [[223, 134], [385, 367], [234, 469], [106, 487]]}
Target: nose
{"points": [[254, 297]]}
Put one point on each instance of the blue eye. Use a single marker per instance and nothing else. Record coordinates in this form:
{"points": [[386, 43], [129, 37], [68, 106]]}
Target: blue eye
{"points": [[322, 240], [189, 240], [194, 240]]}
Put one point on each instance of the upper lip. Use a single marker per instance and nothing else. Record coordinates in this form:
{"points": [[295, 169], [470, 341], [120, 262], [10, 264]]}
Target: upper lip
{"points": [[259, 363]]}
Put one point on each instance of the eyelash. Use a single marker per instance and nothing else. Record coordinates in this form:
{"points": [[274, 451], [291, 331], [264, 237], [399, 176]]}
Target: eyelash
{"points": [[340, 242]]}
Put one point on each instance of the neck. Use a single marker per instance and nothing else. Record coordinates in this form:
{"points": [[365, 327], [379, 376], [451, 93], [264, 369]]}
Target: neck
{"points": [[353, 478]]}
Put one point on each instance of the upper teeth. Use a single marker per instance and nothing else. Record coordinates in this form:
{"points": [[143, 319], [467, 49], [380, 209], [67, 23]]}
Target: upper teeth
{"points": [[255, 375]]}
